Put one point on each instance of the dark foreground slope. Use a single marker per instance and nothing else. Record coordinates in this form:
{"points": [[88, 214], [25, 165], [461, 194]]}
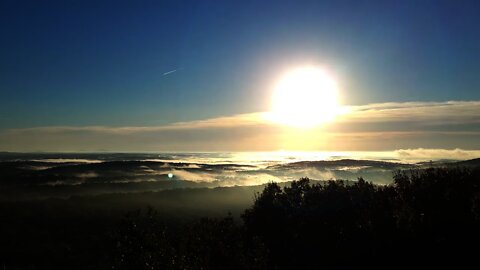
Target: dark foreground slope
{"points": [[78, 232], [425, 218]]}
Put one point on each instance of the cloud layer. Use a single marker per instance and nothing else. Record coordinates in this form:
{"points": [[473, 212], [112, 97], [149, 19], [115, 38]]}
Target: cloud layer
{"points": [[381, 126]]}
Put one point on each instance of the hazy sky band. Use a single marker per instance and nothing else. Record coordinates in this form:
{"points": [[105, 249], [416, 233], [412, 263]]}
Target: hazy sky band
{"points": [[374, 127]]}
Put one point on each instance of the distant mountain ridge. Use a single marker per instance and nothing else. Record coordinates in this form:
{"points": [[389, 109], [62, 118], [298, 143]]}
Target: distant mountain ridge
{"points": [[56, 175], [468, 163]]}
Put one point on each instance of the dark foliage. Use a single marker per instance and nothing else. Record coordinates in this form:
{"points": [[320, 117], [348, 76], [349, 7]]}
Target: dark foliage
{"points": [[143, 242], [425, 218], [331, 225]]}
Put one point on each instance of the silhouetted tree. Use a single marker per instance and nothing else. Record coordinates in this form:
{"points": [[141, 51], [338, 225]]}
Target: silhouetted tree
{"points": [[429, 215]]}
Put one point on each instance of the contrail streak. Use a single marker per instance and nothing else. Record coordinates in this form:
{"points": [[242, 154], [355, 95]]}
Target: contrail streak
{"points": [[169, 72]]}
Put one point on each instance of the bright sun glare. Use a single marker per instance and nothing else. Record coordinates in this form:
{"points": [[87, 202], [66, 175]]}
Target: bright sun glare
{"points": [[305, 97]]}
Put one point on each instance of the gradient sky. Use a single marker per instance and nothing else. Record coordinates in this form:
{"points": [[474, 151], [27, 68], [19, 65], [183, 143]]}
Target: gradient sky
{"points": [[81, 64]]}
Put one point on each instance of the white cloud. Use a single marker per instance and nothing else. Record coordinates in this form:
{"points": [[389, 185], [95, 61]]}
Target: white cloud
{"points": [[191, 176]]}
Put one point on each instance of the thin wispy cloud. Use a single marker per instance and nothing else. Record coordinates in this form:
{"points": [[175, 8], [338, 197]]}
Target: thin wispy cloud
{"points": [[428, 112]]}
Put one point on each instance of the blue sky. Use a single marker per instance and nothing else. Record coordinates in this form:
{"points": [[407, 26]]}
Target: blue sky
{"points": [[101, 63]]}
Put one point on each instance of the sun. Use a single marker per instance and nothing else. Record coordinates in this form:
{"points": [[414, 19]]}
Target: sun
{"points": [[305, 97]]}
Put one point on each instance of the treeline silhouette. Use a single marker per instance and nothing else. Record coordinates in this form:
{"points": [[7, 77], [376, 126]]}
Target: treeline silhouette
{"points": [[427, 217]]}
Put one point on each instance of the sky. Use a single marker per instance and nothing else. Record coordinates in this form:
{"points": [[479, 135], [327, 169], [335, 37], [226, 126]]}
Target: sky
{"points": [[198, 75]]}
